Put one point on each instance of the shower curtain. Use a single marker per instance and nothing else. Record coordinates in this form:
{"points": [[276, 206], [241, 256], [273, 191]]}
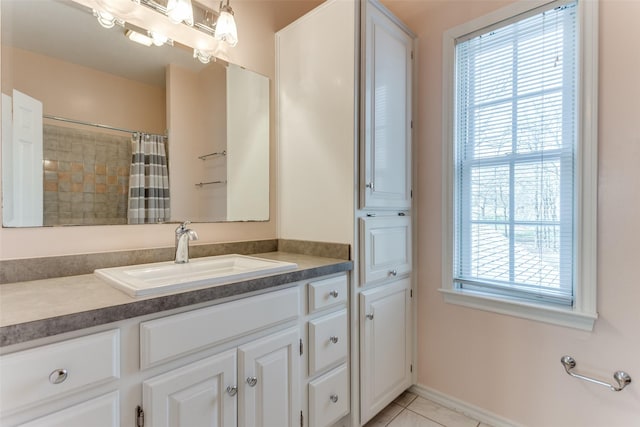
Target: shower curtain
{"points": [[149, 180]]}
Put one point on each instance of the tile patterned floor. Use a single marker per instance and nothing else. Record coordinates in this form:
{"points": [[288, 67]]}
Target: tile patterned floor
{"points": [[409, 410]]}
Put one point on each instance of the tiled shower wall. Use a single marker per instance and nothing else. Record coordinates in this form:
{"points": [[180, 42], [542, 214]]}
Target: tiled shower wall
{"points": [[86, 176]]}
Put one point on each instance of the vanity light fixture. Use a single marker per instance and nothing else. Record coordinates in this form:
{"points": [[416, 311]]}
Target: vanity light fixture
{"points": [[138, 38], [105, 19], [180, 11], [226, 29], [202, 56]]}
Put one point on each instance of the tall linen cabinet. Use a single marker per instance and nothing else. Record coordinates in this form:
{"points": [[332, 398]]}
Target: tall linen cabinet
{"points": [[344, 126]]}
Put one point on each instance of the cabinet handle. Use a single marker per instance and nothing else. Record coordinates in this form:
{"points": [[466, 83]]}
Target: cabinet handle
{"points": [[58, 376], [252, 381], [334, 398], [369, 316], [334, 293], [393, 273], [333, 339], [369, 185], [232, 390]]}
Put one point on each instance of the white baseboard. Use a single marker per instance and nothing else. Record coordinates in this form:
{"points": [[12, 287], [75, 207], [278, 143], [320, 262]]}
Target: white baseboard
{"points": [[465, 408]]}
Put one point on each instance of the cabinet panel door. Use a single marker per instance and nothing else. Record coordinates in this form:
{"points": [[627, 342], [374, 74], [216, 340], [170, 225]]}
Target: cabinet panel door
{"points": [[103, 411], [385, 345], [269, 381], [194, 395], [385, 248], [386, 173]]}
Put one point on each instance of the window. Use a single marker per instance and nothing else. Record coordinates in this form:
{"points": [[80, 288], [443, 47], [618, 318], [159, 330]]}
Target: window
{"points": [[520, 152]]}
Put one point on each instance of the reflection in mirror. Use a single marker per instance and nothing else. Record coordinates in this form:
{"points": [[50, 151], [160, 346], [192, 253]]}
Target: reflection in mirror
{"points": [[80, 101]]}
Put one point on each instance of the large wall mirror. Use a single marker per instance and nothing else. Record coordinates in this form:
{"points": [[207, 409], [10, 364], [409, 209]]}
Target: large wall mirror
{"points": [[84, 107]]}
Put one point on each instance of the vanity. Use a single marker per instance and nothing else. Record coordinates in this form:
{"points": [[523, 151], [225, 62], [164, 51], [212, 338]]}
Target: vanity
{"points": [[266, 351]]}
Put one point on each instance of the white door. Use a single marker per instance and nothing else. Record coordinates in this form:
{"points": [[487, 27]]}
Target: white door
{"points": [[385, 345], [269, 381], [27, 161], [386, 175], [200, 394]]}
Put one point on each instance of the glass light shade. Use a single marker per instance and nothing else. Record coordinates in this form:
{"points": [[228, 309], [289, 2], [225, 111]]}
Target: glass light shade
{"points": [[226, 27], [203, 57], [105, 19], [179, 11]]}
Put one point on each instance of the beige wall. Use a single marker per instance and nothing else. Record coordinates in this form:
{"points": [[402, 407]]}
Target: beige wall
{"points": [[82, 93], [510, 366]]}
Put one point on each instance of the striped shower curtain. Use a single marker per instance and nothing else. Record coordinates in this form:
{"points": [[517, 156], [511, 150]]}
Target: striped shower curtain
{"points": [[148, 180]]}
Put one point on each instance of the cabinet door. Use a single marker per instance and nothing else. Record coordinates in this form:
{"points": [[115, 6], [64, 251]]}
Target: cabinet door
{"points": [[386, 149], [194, 395], [269, 381], [385, 345], [385, 248]]}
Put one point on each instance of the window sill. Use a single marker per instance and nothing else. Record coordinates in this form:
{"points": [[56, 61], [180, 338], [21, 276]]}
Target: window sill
{"points": [[569, 317]]}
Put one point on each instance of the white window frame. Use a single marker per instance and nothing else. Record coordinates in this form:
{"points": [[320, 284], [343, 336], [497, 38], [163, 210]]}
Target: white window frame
{"points": [[583, 314]]}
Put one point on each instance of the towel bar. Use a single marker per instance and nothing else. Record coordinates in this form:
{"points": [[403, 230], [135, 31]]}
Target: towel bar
{"points": [[622, 378]]}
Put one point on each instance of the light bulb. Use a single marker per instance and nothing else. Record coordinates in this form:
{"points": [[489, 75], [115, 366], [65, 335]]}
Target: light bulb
{"points": [[157, 38]]}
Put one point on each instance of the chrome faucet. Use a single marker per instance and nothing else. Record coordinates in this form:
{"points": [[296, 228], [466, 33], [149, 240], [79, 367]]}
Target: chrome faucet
{"points": [[183, 235]]}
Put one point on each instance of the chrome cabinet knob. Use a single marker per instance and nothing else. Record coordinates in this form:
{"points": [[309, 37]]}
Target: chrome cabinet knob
{"points": [[393, 273], [232, 390], [58, 376], [333, 339], [369, 316], [369, 185], [252, 381], [334, 293], [334, 398]]}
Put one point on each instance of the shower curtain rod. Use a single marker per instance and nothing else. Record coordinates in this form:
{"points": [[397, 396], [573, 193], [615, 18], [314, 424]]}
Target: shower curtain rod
{"points": [[98, 125]]}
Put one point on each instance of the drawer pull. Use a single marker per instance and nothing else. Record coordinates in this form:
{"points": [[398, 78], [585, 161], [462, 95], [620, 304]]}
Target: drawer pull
{"points": [[334, 398], [369, 316], [393, 273], [334, 293], [252, 381], [232, 390], [333, 339], [58, 376]]}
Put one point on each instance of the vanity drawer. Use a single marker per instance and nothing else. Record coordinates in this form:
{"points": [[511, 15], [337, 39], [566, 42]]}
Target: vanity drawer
{"points": [[327, 293], [54, 370], [327, 341], [103, 411], [329, 398], [385, 248], [170, 337]]}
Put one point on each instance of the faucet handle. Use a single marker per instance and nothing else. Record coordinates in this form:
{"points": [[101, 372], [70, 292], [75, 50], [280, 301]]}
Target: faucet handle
{"points": [[182, 227]]}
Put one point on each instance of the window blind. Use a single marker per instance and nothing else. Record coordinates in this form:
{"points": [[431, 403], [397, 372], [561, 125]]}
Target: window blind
{"points": [[515, 148]]}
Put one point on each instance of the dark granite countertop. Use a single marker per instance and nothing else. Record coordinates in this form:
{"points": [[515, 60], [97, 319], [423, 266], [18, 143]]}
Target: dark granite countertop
{"points": [[42, 308]]}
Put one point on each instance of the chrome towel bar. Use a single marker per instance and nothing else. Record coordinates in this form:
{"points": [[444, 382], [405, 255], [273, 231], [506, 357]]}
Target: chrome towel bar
{"points": [[622, 378]]}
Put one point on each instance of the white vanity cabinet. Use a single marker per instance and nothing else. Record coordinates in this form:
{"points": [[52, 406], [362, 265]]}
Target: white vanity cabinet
{"points": [[255, 383]]}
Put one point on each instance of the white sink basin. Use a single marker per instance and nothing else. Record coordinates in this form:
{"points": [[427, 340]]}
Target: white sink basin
{"points": [[164, 277]]}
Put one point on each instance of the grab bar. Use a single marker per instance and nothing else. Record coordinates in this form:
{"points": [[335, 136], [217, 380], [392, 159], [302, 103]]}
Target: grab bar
{"points": [[200, 184], [622, 378], [206, 156]]}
